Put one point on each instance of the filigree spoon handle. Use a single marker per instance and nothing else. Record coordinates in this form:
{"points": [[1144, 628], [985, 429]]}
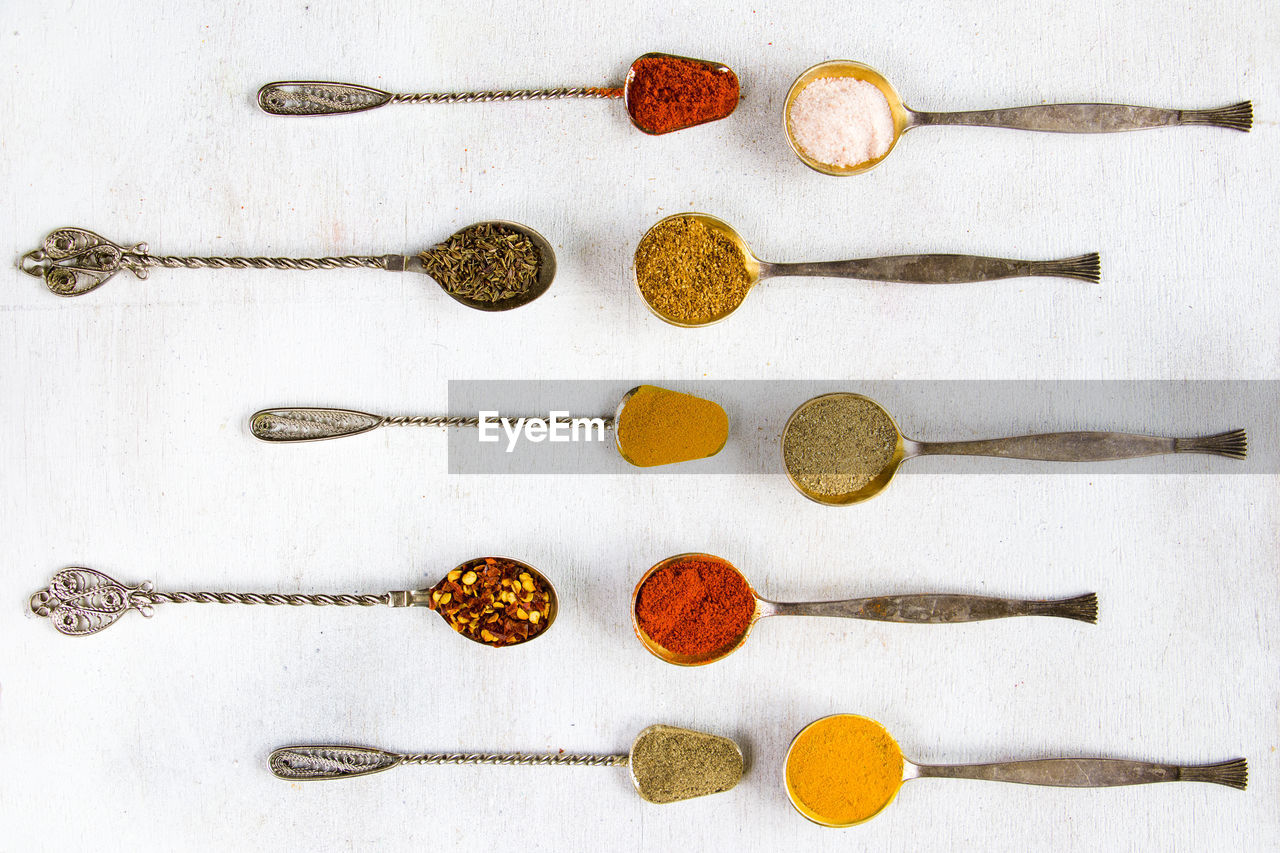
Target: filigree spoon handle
{"points": [[1088, 446], [1090, 118], [1091, 772], [943, 609], [323, 98], [314, 424], [75, 261], [347, 762], [942, 269], [82, 601]]}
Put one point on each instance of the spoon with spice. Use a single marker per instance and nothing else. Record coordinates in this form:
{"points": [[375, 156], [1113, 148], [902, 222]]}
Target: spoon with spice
{"points": [[662, 93], [693, 609], [494, 601], [845, 769], [667, 763], [652, 426], [489, 266], [693, 269], [842, 117], [844, 448]]}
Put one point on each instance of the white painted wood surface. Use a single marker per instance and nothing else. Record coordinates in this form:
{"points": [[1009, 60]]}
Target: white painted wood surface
{"points": [[123, 443]]}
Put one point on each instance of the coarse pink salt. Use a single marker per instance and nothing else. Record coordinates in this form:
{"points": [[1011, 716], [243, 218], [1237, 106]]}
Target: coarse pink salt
{"points": [[841, 121]]}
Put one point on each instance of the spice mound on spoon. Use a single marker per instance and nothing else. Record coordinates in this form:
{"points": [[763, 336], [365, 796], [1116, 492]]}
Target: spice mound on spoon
{"points": [[693, 609], [494, 601], [693, 269], [662, 93], [652, 426], [842, 117], [845, 769], [489, 266], [844, 448], [668, 764]]}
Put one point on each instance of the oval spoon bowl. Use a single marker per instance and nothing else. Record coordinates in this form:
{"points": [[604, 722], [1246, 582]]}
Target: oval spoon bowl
{"points": [[858, 71], [546, 270], [876, 485], [721, 227]]}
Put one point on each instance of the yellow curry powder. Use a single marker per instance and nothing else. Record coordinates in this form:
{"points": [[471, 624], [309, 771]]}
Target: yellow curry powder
{"points": [[844, 769], [659, 427]]}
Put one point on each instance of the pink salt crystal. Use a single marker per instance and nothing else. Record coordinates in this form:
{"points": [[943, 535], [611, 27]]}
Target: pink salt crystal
{"points": [[841, 121]]}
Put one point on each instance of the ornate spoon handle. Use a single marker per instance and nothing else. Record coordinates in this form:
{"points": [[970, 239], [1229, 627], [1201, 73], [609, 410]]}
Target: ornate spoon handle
{"points": [[346, 762], [82, 601], [1091, 772], [75, 261], [942, 269], [312, 424], [940, 609], [322, 98], [1091, 118], [1089, 446]]}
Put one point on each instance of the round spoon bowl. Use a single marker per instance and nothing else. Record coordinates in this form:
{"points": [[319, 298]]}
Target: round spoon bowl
{"points": [[658, 650], [857, 71], [876, 485], [723, 228], [546, 270], [814, 732], [553, 601]]}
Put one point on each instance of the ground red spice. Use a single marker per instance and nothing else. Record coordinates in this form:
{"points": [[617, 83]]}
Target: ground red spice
{"points": [[696, 606], [666, 93]]}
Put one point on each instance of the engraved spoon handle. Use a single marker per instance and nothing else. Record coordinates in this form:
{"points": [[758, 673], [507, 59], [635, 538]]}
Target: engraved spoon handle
{"points": [[318, 98], [1089, 446], [941, 609], [1090, 118], [1091, 772], [345, 762], [312, 424], [941, 269]]}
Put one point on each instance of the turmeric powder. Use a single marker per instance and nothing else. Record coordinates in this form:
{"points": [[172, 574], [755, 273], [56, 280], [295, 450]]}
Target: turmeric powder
{"points": [[658, 427], [843, 769]]}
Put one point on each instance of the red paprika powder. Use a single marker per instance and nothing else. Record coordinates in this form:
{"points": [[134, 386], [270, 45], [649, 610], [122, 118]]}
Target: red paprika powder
{"points": [[666, 93], [697, 606]]}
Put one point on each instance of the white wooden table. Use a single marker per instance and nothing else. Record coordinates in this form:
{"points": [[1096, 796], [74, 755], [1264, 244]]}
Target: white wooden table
{"points": [[123, 443]]}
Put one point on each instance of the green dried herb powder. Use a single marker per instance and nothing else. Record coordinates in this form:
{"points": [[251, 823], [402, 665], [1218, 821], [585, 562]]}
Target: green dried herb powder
{"points": [[690, 272], [486, 262], [836, 445]]}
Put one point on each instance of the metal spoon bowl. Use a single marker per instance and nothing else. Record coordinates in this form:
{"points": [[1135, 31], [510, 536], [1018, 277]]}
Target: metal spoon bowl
{"points": [[753, 264], [546, 269], [422, 598], [902, 117]]}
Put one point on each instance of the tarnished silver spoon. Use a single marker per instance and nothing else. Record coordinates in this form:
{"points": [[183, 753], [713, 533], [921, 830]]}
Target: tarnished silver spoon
{"points": [[74, 261]]}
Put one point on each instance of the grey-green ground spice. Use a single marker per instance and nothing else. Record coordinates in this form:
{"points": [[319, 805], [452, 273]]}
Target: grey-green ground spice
{"points": [[836, 445], [486, 262], [690, 272], [671, 764]]}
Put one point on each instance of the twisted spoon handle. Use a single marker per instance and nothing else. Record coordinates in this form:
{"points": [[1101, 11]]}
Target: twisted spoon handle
{"points": [[1090, 446], [1091, 772], [312, 424], [82, 601], [345, 762], [942, 609], [1091, 118], [319, 98], [942, 269]]}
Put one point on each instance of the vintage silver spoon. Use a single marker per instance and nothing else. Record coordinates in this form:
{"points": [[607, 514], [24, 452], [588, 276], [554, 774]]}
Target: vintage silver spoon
{"points": [[639, 92], [667, 763], [689, 439], [814, 465], [873, 762], [73, 262], [1054, 118], [918, 609], [82, 601]]}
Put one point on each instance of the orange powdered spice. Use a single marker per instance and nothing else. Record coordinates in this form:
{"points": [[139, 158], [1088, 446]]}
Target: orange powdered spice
{"points": [[696, 606], [844, 769]]}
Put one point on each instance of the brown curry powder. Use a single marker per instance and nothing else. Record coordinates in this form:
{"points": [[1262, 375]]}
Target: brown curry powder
{"points": [[690, 272], [844, 769]]}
